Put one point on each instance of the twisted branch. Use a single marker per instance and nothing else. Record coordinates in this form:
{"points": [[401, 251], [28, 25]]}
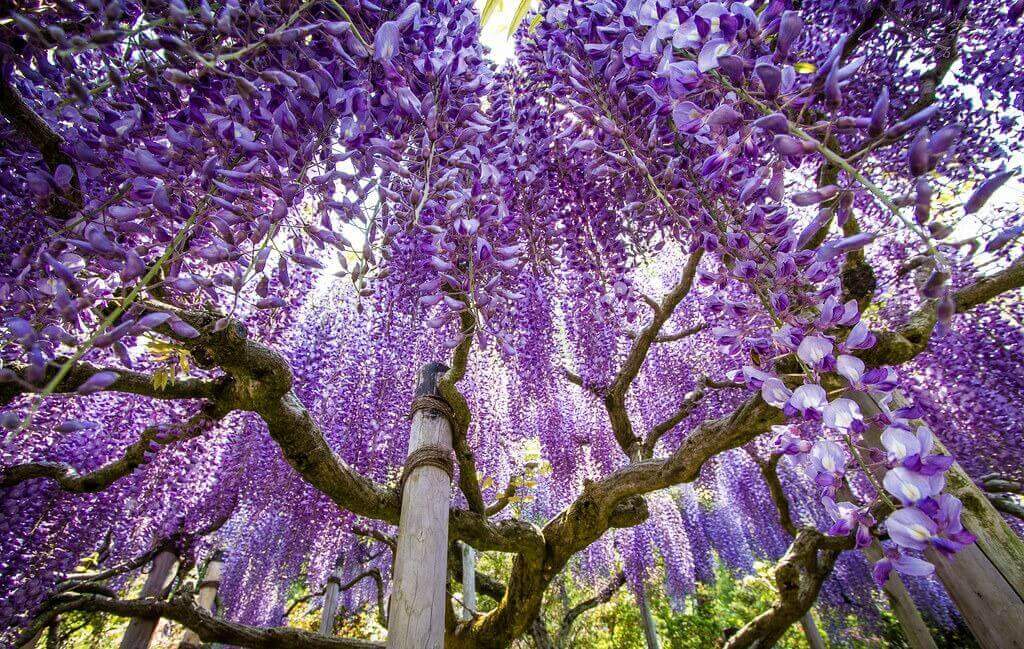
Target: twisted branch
{"points": [[134, 456]]}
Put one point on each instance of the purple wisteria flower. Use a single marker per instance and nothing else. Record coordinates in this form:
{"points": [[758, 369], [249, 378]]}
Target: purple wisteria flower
{"points": [[913, 450], [844, 416], [786, 443], [775, 393], [808, 401], [849, 517], [935, 523], [816, 351], [911, 487], [825, 464], [902, 563]]}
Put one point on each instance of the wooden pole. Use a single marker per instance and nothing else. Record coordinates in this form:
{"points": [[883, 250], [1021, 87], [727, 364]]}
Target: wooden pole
{"points": [[814, 639], [985, 580], [646, 619], [332, 593], [418, 598], [140, 631], [468, 581], [917, 633], [207, 597], [650, 630]]}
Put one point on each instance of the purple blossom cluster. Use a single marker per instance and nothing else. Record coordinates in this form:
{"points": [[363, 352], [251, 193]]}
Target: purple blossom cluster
{"points": [[353, 180]]}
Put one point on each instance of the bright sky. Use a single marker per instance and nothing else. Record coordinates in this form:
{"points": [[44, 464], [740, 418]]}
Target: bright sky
{"points": [[495, 32]]}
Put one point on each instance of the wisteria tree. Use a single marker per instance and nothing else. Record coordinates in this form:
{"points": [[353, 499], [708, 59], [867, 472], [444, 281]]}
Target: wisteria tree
{"points": [[710, 281]]}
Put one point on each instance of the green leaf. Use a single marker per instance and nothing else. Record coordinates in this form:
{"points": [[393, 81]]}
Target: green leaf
{"points": [[488, 11], [538, 19], [517, 17]]}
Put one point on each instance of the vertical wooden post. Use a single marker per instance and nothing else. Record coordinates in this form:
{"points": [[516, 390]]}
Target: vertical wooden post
{"points": [[206, 598], [468, 581], [814, 639], [917, 633], [985, 580], [650, 630], [140, 631], [332, 593], [418, 598]]}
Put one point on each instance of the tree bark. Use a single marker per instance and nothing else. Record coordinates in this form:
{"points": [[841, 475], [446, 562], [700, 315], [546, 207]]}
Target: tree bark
{"points": [[917, 633], [416, 617], [814, 639], [332, 591], [140, 630]]}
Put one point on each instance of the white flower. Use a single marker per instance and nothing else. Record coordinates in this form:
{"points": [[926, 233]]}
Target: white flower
{"points": [[814, 349], [851, 368], [842, 415]]}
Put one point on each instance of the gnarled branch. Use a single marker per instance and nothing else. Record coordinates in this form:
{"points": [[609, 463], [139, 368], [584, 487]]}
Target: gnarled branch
{"points": [[184, 612], [134, 456], [127, 381]]}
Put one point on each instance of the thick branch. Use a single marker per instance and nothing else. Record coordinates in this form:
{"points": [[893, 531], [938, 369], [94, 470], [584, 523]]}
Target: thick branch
{"points": [[134, 456], [1000, 484], [615, 398], [49, 143], [468, 482], [798, 579], [770, 472], [126, 381], [1007, 505], [895, 347], [207, 627]]}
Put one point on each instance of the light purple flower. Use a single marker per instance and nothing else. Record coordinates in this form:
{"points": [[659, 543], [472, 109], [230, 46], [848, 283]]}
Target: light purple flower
{"points": [[808, 401], [860, 338], [902, 563], [775, 393], [710, 52], [911, 528], [788, 444], [851, 368], [843, 415], [815, 351], [911, 487], [849, 517]]}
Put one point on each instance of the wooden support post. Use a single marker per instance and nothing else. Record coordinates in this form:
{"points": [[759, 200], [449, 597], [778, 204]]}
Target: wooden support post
{"points": [[140, 631], [468, 581], [207, 597], [985, 580], [646, 619], [332, 595], [814, 639], [418, 598], [650, 630], [917, 633]]}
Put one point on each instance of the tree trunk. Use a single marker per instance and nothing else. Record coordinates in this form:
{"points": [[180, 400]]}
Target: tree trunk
{"points": [[140, 631], [468, 581], [814, 639], [418, 598], [207, 597], [332, 593], [985, 580], [914, 628]]}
